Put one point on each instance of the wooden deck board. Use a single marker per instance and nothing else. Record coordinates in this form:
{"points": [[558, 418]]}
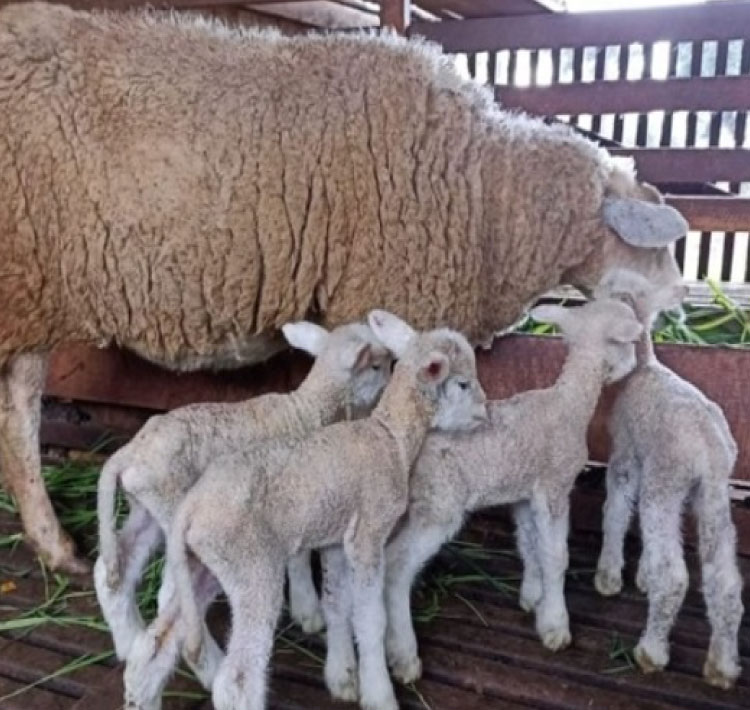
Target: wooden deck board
{"points": [[480, 652]]}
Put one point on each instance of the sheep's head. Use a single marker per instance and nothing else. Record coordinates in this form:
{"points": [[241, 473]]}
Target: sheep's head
{"points": [[350, 357], [606, 327], [637, 228], [444, 366]]}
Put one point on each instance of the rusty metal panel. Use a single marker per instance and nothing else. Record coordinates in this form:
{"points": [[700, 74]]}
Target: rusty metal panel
{"points": [[723, 93], [517, 363], [712, 21], [491, 8]]}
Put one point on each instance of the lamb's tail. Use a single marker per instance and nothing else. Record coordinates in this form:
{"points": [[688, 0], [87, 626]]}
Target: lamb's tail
{"points": [[107, 513], [183, 580]]}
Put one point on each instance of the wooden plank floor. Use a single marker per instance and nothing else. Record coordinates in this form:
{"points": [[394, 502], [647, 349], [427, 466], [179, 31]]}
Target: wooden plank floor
{"points": [[479, 649]]}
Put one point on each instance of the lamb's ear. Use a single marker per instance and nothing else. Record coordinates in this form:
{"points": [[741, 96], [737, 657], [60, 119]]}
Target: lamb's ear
{"points": [[393, 332], [305, 336], [625, 331], [643, 224], [668, 297], [359, 358], [434, 369], [558, 315]]}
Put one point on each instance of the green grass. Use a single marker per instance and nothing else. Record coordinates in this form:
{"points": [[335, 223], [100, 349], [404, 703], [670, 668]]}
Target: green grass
{"points": [[723, 323]]}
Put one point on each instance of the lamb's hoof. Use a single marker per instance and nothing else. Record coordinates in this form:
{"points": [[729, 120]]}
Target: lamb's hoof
{"points": [[650, 659], [556, 639], [65, 560], [528, 601], [345, 686], [311, 623], [723, 678], [640, 581], [607, 583], [407, 670]]}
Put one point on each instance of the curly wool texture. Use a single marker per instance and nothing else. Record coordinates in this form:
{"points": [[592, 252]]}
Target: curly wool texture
{"points": [[179, 188]]}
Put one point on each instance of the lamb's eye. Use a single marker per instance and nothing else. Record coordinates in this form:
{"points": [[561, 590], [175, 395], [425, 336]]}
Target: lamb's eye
{"points": [[376, 367], [463, 384]]}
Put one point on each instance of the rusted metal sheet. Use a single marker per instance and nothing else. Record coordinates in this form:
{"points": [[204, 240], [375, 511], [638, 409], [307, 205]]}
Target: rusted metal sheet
{"points": [[712, 21], [517, 363], [690, 165], [706, 214], [722, 93]]}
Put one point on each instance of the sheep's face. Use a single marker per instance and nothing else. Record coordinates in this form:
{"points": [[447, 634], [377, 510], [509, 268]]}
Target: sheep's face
{"points": [[369, 375], [636, 229], [607, 328]]}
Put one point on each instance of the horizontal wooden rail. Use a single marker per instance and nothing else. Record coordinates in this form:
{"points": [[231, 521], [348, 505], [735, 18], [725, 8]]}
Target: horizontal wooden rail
{"points": [[690, 165], [714, 214], [712, 21], [725, 93]]}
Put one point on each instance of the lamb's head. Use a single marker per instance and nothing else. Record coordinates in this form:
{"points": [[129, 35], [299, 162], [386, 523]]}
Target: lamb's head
{"points": [[349, 357], [607, 328], [444, 367], [645, 298], [636, 229]]}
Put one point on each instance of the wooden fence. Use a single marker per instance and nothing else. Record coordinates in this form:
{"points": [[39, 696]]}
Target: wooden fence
{"points": [[669, 86]]}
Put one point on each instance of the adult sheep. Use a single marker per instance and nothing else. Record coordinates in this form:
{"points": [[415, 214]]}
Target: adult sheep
{"points": [[183, 190]]}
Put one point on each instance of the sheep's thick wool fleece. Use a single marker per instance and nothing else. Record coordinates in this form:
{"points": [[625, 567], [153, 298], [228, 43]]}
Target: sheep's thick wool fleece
{"points": [[178, 187]]}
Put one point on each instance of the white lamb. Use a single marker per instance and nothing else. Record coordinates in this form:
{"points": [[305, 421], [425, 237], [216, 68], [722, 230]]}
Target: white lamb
{"points": [[341, 490], [529, 456], [163, 461], [671, 446]]}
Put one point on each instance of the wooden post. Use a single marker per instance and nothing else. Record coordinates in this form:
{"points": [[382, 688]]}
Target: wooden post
{"points": [[395, 14]]}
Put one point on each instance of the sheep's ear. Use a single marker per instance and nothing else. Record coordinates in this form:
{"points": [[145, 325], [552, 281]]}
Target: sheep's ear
{"points": [[625, 331], [643, 224], [394, 333], [306, 336], [361, 358], [435, 369], [618, 280], [669, 297], [558, 315]]}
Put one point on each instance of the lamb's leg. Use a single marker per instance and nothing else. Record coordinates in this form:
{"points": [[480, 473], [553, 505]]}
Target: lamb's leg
{"points": [[552, 622], [139, 537], [622, 482], [367, 566], [722, 584], [667, 578], [406, 554], [341, 659], [21, 386], [304, 605], [526, 539], [256, 591], [155, 652]]}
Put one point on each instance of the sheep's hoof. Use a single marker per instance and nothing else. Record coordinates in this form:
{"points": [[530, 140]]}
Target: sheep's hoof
{"points": [[529, 600], [650, 660], [556, 639], [723, 678], [386, 703], [407, 670], [66, 561], [311, 623], [607, 583], [344, 686]]}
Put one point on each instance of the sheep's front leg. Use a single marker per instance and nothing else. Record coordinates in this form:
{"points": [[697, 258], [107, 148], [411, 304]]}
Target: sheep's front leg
{"points": [[551, 613], [666, 578], [21, 386], [406, 554], [304, 605], [341, 660], [526, 539], [622, 482], [367, 567]]}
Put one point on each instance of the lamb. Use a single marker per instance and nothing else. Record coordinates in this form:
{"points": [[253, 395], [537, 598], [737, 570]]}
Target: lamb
{"points": [[162, 462], [671, 446], [529, 456], [342, 489], [187, 213]]}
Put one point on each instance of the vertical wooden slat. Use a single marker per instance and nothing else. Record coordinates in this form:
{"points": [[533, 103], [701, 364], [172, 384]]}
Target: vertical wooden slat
{"points": [[395, 14], [601, 53], [492, 69], [577, 74], [471, 62], [533, 66]]}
